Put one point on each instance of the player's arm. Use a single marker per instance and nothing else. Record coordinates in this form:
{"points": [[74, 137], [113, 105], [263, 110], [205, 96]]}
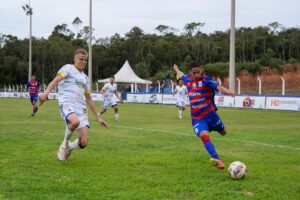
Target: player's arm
{"points": [[52, 85], [92, 106], [224, 90], [117, 95], [102, 91], [178, 72]]}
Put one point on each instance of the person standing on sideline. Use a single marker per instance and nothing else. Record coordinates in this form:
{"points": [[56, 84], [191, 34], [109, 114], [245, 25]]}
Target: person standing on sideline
{"points": [[181, 92], [34, 87], [74, 94], [201, 92], [108, 91]]}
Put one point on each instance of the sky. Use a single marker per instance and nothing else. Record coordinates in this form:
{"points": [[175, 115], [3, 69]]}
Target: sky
{"points": [[119, 16]]}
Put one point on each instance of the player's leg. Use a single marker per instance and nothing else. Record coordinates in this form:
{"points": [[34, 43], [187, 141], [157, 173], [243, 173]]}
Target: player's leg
{"points": [[103, 107], [114, 105], [201, 130], [178, 105], [72, 122], [34, 106], [82, 140], [116, 109], [217, 124]]}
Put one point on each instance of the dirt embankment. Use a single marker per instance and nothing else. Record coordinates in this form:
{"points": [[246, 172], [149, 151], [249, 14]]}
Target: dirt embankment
{"points": [[271, 80]]}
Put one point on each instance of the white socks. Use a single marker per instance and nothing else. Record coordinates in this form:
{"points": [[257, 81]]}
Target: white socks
{"points": [[74, 144], [68, 135], [180, 113], [117, 116]]}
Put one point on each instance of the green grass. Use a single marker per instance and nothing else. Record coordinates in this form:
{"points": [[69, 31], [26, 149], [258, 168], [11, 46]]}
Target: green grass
{"points": [[149, 154]]}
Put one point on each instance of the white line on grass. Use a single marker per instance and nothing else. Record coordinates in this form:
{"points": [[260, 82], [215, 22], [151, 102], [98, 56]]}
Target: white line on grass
{"points": [[231, 140]]}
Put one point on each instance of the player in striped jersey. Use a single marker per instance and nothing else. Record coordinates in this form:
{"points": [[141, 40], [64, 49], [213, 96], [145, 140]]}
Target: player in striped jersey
{"points": [[74, 93], [201, 92], [34, 87]]}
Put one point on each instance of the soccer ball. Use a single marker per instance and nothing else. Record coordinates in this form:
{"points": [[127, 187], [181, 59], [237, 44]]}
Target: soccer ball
{"points": [[237, 170]]}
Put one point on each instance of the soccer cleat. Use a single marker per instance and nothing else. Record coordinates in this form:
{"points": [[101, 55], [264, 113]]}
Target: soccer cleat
{"points": [[217, 163], [32, 114], [69, 151], [62, 153]]}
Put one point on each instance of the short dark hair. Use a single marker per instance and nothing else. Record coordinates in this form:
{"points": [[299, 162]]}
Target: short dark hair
{"points": [[195, 64]]}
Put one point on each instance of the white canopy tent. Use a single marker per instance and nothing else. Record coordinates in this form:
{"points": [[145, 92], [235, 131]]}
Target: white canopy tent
{"points": [[127, 75]]}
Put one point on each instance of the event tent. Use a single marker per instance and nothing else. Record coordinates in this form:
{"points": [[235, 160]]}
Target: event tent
{"points": [[126, 75]]}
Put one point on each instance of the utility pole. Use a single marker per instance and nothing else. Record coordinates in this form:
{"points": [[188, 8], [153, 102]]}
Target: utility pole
{"points": [[90, 73], [232, 48], [28, 11]]}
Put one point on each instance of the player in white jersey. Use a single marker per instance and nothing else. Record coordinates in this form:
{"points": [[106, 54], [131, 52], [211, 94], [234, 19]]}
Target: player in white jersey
{"points": [[74, 93], [181, 92], [108, 91]]}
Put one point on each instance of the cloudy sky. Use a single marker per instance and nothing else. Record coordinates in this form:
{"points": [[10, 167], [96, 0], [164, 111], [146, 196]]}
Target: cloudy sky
{"points": [[119, 16]]}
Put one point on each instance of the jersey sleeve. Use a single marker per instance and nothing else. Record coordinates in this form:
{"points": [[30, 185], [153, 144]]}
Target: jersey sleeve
{"points": [[87, 88], [212, 83], [184, 78], [104, 88], [63, 72]]}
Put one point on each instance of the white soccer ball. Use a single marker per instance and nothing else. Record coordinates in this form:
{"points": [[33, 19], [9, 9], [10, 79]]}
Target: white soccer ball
{"points": [[237, 170]]}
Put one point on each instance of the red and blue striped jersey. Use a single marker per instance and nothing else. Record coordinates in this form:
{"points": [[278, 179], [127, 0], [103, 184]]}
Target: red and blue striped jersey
{"points": [[33, 88], [201, 95]]}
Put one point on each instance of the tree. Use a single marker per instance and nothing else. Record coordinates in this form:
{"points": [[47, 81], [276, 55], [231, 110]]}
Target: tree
{"points": [[193, 28], [76, 23], [166, 30], [62, 31]]}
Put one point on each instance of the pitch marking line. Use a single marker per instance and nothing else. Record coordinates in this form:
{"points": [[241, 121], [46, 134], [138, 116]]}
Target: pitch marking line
{"points": [[231, 140]]}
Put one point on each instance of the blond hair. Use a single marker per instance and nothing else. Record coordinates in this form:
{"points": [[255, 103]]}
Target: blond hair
{"points": [[81, 51]]}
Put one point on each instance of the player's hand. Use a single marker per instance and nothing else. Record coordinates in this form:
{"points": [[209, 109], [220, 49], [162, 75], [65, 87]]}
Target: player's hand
{"points": [[102, 122], [231, 93], [175, 67], [42, 98]]}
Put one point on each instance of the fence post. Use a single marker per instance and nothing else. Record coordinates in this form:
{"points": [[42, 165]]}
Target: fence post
{"points": [[239, 85], [172, 85], [158, 86], [283, 85], [259, 85]]}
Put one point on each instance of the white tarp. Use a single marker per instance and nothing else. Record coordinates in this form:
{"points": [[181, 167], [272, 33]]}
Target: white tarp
{"points": [[126, 75]]}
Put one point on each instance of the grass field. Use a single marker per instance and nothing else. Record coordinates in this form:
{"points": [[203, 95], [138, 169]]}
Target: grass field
{"points": [[149, 154]]}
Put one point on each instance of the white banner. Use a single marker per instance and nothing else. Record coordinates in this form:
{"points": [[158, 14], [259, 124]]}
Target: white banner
{"points": [[258, 102], [224, 101], [283, 103], [135, 98]]}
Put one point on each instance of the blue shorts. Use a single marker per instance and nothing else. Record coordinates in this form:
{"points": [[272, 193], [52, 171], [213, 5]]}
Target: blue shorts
{"points": [[33, 99], [211, 122]]}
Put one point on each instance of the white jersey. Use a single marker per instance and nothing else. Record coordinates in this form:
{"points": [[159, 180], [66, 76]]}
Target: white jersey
{"points": [[73, 87], [109, 90], [181, 91]]}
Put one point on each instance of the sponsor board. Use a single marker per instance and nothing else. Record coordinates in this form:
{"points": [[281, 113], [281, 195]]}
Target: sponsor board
{"points": [[283, 103], [258, 102], [135, 98], [224, 101]]}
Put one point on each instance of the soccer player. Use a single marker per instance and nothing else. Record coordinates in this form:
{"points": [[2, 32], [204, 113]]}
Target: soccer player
{"points": [[74, 93], [108, 91], [201, 92], [34, 87], [181, 92]]}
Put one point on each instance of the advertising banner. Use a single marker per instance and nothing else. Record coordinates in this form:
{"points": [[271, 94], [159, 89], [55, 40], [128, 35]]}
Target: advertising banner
{"points": [[224, 101], [283, 103], [258, 102]]}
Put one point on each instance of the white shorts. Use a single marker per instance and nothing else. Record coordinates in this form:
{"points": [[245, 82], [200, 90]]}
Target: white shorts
{"points": [[67, 109], [180, 102], [108, 102]]}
